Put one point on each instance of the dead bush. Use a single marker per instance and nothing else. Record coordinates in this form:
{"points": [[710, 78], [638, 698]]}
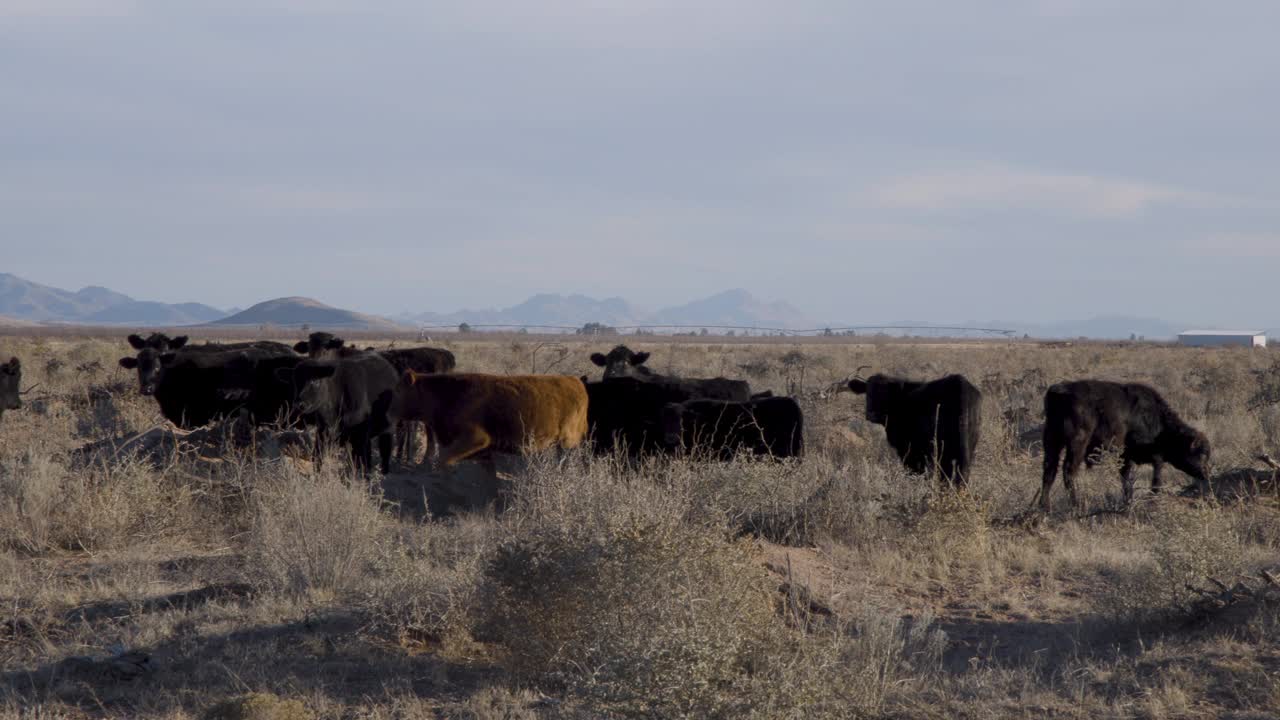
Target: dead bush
{"points": [[315, 533]]}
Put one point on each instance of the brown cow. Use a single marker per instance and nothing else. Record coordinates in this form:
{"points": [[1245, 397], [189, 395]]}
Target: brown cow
{"points": [[473, 413]]}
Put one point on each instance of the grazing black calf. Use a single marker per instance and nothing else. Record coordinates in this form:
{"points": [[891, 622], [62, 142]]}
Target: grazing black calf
{"points": [[10, 380], [1086, 416], [764, 426], [350, 398], [927, 422]]}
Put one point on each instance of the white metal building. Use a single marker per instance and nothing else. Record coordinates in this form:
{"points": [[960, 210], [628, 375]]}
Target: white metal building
{"points": [[1222, 338]]}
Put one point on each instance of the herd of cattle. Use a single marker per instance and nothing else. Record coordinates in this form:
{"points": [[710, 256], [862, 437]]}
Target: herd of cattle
{"points": [[364, 396]]}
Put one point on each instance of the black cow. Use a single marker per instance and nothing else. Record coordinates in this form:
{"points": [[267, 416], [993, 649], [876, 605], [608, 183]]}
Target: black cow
{"points": [[323, 345], [929, 424], [350, 398], [152, 348], [623, 362], [765, 426], [194, 389], [10, 380], [628, 410], [1087, 416]]}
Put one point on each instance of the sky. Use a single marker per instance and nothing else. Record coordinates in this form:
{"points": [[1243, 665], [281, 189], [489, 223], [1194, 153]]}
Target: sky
{"points": [[1025, 160]]}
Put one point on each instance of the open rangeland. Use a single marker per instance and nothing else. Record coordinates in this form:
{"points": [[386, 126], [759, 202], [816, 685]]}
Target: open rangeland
{"points": [[221, 575]]}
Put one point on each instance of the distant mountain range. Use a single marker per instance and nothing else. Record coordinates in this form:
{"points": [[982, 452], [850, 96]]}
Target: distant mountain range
{"points": [[732, 307], [25, 300], [24, 303]]}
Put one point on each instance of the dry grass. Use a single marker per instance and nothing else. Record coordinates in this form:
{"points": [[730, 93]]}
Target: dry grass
{"points": [[835, 586]]}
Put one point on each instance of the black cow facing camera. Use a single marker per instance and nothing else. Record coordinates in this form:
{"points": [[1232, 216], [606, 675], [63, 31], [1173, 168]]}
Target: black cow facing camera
{"points": [[622, 361], [929, 424]]}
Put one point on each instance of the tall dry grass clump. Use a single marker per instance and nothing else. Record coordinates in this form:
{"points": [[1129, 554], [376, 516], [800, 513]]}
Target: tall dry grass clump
{"points": [[46, 505], [620, 591], [314, 534]]}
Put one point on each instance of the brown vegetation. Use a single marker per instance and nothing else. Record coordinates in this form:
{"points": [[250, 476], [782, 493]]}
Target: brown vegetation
{"points": [[220, 576]]}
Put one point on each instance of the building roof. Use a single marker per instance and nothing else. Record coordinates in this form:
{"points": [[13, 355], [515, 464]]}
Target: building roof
{"points": [[1230, 333]]}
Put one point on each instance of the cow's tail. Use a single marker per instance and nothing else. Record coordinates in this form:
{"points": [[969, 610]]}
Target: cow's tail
{"points": [[970, 433]]}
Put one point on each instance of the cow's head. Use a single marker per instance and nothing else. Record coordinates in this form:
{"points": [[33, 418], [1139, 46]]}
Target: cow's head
{"points": [[320, 345], [882, 394], [1189, 452], [157, 341], [149, 362], [10, 378], [150, 365], [622, 362], [305, 380]]}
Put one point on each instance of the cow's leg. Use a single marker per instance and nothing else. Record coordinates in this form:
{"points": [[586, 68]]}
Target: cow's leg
{"points": [[465, 445], [1052, 455], [1126, 481], [1157, 475], [384, 450], [1075, 457], [322, 443]]}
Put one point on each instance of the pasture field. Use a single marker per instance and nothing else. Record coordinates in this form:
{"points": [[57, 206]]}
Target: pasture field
{"points": [[232, 579]]}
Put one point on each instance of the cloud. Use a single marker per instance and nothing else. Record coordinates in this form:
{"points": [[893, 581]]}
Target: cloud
{"points": [[995, 188], [64, 9], [1236, 245]]}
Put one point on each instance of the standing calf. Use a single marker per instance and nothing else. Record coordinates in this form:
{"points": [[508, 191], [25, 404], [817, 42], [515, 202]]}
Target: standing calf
{"points": [[927, 422], [1086, 416]]}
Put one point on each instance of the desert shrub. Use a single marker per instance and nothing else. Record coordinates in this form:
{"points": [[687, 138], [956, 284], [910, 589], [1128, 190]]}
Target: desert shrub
{"points": [[426, 579], [1186, 545], [613, 590], [45, 506], [314, 533]]}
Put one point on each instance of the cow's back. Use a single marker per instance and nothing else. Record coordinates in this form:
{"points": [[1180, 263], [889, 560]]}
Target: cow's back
{"points": [[548, 409], [421, 360]]}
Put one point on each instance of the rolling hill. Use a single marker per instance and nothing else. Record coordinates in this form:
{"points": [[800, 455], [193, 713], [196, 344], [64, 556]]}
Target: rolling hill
{"points": [[298, 311]]}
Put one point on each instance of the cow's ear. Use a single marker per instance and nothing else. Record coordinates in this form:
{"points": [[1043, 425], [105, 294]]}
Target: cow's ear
{"points": [[639, 358], [301, 348], [129, 363], [178, 342], [599, 359], [136, 342], [859, 387]]}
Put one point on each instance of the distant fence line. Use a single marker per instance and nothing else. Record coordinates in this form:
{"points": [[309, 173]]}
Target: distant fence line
{"points": [[621, 329]]}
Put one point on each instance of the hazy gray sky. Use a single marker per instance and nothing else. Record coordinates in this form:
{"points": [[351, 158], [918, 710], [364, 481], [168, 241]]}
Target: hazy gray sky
{"points": [[1023, 160]]}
